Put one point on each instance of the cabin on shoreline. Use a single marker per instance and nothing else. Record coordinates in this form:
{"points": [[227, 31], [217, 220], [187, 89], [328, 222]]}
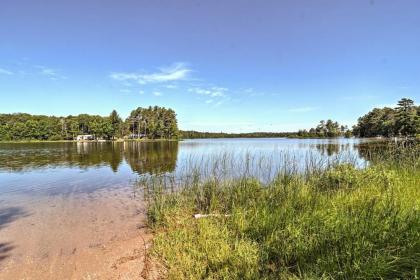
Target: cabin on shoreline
{"points": [[85, 137], [136, 136]]}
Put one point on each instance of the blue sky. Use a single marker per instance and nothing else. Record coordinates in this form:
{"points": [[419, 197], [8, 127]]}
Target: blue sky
{"points": [[222, 65]]}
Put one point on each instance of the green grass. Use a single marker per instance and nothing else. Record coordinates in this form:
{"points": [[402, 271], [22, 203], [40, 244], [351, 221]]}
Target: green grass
{"points": [[340, 223]]}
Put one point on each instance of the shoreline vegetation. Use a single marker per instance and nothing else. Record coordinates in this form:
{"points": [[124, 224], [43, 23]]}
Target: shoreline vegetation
{"points": [[156, 123], [330, 222], [143, 123], [145, 140]]}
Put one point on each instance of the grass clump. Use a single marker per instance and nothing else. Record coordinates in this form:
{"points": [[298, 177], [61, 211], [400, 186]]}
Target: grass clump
{"points": [[341, 223]]}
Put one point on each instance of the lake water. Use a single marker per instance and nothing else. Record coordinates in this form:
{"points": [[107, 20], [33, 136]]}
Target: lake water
{"points": [[60, 168], [61, 204]]}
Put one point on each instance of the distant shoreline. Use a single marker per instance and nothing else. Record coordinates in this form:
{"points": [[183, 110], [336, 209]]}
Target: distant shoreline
{"points": [[182, 139], [88, 141]]}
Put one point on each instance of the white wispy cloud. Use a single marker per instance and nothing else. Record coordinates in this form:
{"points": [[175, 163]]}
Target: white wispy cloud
{"points": [[249, 91], [52, 74], [141, 91], [302, 109], [5, 72], [218, 103], [210, 91], [157, 93], [214, 95], [175, 72]]}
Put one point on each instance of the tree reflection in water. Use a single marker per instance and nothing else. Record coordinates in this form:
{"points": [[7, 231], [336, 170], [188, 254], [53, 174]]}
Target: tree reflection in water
{"points": [[142, 157], [333, 149], [151, 158]]}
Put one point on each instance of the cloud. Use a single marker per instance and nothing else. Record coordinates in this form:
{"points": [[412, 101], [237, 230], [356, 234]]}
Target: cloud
{"points": [[52, 74], [213, 95], [175, 72], [157, 93], [210, 91], [5, 72], [302, 109], [248, 91], [218, 103], [141, 91]]}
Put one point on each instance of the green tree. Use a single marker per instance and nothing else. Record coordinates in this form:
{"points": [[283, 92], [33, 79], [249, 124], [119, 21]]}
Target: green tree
{"points": [[404, 120], [116, 124], [406, 123], [152, 122]]}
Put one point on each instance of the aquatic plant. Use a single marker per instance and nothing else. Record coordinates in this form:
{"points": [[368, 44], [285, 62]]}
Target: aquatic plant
{"points": [[338, 222]]}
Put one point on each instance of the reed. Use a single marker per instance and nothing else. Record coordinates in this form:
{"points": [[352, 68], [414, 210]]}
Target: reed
{"points": [[338, 221]]}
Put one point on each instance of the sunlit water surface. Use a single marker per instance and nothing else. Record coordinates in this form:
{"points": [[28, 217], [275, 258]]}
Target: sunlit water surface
{"points": [[59, 168]]}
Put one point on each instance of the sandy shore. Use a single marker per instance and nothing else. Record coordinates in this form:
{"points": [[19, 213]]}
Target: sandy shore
{"points": [[101, 235]]}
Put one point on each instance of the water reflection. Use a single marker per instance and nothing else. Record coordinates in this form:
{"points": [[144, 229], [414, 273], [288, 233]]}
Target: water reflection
{"points": [[153, 158], [381, 149], [335, 149], [62, 168], [162, 157]]}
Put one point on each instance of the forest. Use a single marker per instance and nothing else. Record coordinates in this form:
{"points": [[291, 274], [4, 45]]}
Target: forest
{"points": [[152, 123], [191, 134], [161, 123], [325, 129], [403, 120]]}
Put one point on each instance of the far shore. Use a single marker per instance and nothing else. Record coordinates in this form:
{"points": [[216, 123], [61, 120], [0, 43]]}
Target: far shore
{"points": [[145, 140], [88, 141]]}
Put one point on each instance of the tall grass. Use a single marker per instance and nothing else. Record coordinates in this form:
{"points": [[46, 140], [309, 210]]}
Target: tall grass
{"points": [[337, 222]]}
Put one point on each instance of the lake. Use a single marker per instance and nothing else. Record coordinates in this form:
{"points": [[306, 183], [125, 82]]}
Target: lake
{"points": [[62, 203], [60, 168]]}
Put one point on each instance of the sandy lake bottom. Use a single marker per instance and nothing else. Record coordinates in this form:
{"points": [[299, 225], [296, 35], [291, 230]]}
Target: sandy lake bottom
{"points": [[101, 235]]}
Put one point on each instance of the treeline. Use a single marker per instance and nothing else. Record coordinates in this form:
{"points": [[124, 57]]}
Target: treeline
{"points": [[153, 123], [161, 123], [191, 134], [324, 129], [404, 120]]}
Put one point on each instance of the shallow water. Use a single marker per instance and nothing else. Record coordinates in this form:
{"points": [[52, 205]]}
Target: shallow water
{"points": [[60, 203]]}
